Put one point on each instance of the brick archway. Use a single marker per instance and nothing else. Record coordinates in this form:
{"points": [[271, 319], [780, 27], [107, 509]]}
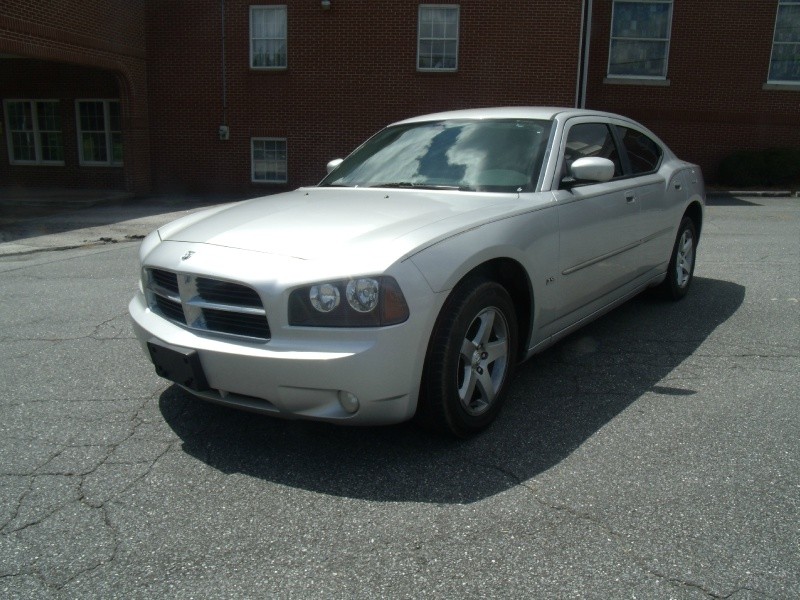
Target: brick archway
{"points": [[113, 50]]}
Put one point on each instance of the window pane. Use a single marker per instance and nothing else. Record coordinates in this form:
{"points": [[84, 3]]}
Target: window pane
{"points": [[94, 147], [22, 145], [259, 25], [19, 116], [276, 24], [49, 116], [641, 20], [592, 139], [52, 145], [643, 58], [785, 63], [787, 28], [91, 116], [644, 154]]}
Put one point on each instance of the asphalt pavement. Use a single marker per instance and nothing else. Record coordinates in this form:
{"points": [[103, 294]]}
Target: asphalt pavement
{"points": [[653, 454]]}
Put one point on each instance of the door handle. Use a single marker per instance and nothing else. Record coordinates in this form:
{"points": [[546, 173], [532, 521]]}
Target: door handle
{"points": [[630, 197]]}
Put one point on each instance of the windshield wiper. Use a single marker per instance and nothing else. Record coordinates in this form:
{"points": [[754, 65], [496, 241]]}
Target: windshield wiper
{"points": [[422, 186]]}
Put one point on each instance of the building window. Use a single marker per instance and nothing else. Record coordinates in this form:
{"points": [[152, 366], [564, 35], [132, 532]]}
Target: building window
{"points": [[34, 132], [268, 37], [268, 160], [437, 38], [640, 32], [99, 132], [784, 66]]}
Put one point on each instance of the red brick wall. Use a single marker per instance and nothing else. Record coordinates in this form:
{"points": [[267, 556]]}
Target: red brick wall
{"points": [[351, 70], [718, 64], [108, 37]]}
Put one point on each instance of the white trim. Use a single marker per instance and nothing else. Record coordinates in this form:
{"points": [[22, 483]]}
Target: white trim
{"points": [[36, 130], [107, 131], [666, 40], [455, 7], [274, 7], [253, 161], [780, 82]]}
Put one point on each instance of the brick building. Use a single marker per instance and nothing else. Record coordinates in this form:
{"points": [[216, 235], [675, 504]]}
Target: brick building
{"points": [[132, 95]]}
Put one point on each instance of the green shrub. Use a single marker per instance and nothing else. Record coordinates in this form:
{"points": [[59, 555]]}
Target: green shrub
{"points": [[748, 168], [744, 168]]}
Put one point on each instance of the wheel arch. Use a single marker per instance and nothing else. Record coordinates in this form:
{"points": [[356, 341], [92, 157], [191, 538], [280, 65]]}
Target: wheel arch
{"points": [[695, 212], [514, 278]]}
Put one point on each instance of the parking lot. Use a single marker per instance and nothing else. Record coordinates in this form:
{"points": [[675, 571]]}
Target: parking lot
{"points": [[653, 454]]}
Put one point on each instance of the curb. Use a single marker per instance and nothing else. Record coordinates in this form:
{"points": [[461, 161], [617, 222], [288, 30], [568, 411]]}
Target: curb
{"points": [[753, 194]]}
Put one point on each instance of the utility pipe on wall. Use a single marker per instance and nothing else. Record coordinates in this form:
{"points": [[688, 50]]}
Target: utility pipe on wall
{"points": [[583, 54]]}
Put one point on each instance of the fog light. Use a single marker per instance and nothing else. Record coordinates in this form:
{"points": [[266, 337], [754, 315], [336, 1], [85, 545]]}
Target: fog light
{"points": [[348, 401]]}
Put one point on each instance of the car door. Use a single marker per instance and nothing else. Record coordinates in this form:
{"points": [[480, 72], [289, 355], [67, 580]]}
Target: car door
{"points": [[642, 158], [598, 223]]}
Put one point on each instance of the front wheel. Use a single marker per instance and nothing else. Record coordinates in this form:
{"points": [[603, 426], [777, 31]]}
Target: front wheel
{"points": [[470, 359], [681, 264]]}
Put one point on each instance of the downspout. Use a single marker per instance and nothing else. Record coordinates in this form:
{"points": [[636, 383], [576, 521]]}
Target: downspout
{"points": [[583, 54], [224, 82]]}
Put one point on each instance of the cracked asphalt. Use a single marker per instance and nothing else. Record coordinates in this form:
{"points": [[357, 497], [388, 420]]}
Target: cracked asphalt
{"points": [[653, 454]]}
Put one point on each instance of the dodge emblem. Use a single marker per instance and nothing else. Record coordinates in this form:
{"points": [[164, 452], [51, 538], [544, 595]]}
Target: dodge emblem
{"points": [[187, 255]]}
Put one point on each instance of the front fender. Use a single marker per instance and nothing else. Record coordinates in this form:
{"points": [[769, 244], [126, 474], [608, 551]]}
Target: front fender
{"points": [[529, 239]]}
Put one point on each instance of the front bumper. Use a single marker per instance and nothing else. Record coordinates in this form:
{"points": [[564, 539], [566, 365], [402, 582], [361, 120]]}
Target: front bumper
{"points": [[303, 378]]}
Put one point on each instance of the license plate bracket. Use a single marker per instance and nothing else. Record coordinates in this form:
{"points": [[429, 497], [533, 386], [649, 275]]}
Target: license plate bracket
{"points": [[181, 365]]}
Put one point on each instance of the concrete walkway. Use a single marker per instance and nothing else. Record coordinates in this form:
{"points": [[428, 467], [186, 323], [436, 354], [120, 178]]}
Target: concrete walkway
{"points": [[36, 222]]}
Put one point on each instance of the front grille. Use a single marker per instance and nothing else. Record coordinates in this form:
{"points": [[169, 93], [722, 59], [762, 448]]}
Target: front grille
{"points": [[225, 292], [207, 304]]}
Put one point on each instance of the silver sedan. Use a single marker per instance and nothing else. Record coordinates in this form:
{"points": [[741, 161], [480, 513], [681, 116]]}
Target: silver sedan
{"points": [[426, 265]]}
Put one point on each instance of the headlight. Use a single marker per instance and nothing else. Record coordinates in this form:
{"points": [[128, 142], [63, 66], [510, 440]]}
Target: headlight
{"points": [[362, 294], [371, 302], [325, 297]]}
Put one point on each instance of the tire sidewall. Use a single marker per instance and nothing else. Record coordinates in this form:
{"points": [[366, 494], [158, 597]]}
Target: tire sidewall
{"points": [[440, 382], [674, 290]]}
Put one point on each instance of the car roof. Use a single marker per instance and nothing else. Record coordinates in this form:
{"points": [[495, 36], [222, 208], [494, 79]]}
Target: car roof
{"points": [[547, 113]]}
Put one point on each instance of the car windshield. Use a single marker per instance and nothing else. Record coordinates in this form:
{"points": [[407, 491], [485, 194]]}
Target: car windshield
{"points": [[492, 155]]}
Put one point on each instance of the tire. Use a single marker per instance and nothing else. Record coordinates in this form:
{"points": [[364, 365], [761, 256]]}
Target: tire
{"points": [[470, 359], [681, 264]]}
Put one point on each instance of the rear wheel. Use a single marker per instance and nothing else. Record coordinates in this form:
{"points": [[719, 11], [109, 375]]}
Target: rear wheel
{"points": [[681, 265], [470, 359]]}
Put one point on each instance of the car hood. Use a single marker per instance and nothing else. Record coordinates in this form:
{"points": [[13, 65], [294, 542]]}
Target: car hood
{"points": [[314, 223]]}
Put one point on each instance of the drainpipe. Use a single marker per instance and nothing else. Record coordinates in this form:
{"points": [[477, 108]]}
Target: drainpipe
{"points": [[224, 81], [583, 54]]}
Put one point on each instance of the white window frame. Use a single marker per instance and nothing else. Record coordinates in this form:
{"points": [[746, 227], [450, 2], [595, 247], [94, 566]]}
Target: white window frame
{"points": [[770, 80], [665, 40], [275, 8], [110, 162], [457, 38], [285, 178], [35, 129]]}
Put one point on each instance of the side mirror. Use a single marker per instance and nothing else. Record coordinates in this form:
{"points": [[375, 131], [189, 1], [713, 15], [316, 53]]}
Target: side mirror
{"points": [[591, 169], [333, 164]]}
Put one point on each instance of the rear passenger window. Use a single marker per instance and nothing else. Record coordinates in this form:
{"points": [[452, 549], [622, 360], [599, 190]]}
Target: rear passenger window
{"points": [[591, 139], [644, 154]]}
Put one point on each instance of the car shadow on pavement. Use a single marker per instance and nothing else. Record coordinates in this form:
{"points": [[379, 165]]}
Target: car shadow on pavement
{"points": [[557, 401]]}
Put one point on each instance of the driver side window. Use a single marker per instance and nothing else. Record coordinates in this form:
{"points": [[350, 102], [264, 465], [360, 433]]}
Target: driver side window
{"points": [[591, 139]]}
